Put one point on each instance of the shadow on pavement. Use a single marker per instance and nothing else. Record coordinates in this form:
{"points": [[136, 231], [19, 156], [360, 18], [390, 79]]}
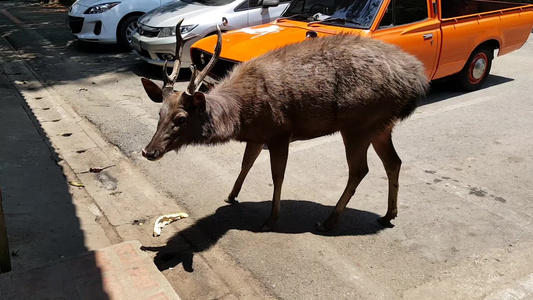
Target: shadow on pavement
{"points": [[155, 73], [297, 216], [444, 89], [87, 47]]}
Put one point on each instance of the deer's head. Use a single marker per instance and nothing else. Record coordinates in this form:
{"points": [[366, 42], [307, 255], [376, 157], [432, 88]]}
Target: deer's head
{"points": [[181, 113]]}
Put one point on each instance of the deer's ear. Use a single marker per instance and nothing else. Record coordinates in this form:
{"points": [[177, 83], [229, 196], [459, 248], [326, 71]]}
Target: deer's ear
{"points": [[153, 90], [199, 101]]}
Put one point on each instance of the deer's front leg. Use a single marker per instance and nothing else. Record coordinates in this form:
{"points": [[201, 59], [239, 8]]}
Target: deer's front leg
{"points": [[250, 154], [279, 152]]}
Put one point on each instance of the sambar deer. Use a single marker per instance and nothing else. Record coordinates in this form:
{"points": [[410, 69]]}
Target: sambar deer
{"points": [[345, 83]]}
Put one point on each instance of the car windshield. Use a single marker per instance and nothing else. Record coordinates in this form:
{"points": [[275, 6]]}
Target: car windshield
{"points": [[208, 2], [346, 13]]}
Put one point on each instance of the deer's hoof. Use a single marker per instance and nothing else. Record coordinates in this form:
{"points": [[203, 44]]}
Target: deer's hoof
{"points": [[230, 200], [385, 222], [268, 226], [324, 227], [265, 228]]}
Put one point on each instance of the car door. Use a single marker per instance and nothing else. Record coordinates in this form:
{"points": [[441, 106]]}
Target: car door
{"points": [[238, 17], [258, 15], [414, 27]]}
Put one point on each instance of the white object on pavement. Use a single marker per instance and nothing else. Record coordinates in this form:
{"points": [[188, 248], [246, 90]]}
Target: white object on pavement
{"points": [[165, 220]]}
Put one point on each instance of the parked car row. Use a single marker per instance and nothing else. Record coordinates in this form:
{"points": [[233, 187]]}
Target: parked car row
{"points": [[452, 38], [148, 26], [155, 39]]}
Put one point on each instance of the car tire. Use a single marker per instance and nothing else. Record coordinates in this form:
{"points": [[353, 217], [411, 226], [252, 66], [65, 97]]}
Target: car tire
{"points": [[476, 70], [124, 32]]}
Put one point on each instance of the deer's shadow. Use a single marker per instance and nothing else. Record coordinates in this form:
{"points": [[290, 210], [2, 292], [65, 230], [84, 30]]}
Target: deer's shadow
{"points": [[297, 216]]}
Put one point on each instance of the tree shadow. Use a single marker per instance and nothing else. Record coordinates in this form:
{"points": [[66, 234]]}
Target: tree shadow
{"points": [[297, 216]]}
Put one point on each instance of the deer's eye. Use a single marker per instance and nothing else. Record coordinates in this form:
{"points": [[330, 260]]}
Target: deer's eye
{"points": [[180, 121]]}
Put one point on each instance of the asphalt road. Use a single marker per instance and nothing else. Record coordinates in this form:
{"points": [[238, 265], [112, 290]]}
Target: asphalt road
{"points": [[465, 205]]}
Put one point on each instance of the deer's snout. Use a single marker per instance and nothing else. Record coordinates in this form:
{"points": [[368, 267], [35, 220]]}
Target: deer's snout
{"points": [[151, 154]]}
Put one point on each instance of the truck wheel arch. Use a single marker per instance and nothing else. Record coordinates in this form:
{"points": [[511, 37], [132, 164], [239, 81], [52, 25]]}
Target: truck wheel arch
{"points": [[491, 44]]}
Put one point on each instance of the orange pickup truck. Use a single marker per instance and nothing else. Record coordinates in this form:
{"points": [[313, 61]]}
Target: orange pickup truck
{"points": [[451, 37]]}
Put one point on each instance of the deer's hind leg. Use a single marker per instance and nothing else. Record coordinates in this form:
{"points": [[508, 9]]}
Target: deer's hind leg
{"points": [[356, 155], [382, 143], [250, 155]]}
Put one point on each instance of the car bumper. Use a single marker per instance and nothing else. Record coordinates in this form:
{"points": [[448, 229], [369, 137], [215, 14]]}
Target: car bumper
{"points": [[154, 50], [99, 28]]}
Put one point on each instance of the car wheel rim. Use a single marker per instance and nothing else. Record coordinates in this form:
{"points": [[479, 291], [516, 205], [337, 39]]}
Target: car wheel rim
{"points": [[478, 68], [129, 31]]}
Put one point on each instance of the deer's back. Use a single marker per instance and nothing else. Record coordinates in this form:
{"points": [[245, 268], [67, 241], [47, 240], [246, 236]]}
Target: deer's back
{"points": [[322, 85]]}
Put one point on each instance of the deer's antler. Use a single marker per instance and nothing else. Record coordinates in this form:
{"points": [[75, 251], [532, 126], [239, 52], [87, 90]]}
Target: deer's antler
{"points": [[169, 80], [195, 82]]}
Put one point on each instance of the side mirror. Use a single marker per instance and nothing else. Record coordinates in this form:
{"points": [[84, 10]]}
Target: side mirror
{"points": [[270, 3]]}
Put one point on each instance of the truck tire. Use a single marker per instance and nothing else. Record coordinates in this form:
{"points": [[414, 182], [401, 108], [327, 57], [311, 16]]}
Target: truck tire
{"points": [[476, 69], [125, 30]]}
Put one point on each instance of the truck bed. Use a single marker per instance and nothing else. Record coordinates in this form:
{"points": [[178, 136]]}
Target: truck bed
{"points": [[458, 8]]}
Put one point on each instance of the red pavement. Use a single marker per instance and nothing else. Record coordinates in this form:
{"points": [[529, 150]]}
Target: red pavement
{"points": [[121, 271]]}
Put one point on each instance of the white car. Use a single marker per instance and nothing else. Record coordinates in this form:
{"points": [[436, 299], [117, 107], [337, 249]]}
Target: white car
{"points": [[108, 21], [155, 38]]}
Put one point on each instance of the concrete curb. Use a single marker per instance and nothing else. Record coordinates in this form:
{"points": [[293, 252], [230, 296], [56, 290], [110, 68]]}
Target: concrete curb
{"points": [[121, 271]]}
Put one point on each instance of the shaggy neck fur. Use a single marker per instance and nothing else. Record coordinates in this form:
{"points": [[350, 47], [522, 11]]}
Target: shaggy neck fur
{"points": [[222, 118]]}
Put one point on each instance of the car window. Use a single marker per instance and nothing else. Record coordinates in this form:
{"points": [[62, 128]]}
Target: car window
{"points": [[254, 3], [311, 7], [249, 4], [348, 13], [400, 12]]}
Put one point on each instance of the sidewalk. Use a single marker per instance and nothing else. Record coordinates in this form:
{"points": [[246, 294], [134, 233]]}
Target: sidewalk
{"points": [[53, 226], [44, 222], [118, 204], [121, 271]]}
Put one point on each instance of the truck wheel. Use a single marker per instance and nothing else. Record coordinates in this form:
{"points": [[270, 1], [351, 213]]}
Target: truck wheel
{"points": [[125, 30], [476, 70]]}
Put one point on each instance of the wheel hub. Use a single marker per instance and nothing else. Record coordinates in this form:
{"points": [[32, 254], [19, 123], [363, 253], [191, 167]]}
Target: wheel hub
{"points": [[480, 66], [129, 31]]}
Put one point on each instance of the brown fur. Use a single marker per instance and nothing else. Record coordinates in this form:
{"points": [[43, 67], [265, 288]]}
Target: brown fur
{"points": [[345, 83], [313, 88]]}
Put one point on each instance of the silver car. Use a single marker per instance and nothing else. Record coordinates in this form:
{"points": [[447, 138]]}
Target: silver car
{"points": [[155, 38]]}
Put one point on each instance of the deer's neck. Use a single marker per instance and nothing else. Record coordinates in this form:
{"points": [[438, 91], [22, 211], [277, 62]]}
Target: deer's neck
{"points": [[223, 118]]}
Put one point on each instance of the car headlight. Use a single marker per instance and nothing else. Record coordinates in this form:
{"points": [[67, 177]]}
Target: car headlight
{"points": [[171, 31], [101, 8]]}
